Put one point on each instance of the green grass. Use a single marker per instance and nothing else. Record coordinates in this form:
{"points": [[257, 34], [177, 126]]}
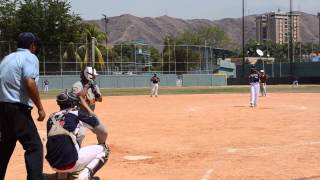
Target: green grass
{"points": [[197, 90]]}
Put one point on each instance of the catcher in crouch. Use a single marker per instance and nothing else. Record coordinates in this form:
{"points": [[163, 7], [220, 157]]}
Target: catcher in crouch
{"points": [[64, 153]]}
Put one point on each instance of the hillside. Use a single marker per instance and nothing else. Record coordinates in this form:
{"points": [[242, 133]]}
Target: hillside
{"points": [[152, 30]]}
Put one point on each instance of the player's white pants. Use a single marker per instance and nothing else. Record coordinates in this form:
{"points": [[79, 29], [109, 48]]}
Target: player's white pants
{"points": [[88, 156], [46, 88], [254, 88], [154, 89], [263, 89]]}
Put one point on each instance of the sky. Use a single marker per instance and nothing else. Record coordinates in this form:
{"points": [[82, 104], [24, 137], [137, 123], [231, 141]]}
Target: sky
{"points": [[186, 9]]}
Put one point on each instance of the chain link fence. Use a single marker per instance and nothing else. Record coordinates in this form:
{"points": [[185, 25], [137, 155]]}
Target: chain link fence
{"points": [[139, 58], [129, 58]]}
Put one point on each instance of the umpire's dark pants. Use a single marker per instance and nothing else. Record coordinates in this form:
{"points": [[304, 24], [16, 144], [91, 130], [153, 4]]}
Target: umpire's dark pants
{"points": [[16, 124]]}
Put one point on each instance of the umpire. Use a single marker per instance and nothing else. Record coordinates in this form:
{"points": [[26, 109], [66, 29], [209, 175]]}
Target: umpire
{"points": [[19, 74]]}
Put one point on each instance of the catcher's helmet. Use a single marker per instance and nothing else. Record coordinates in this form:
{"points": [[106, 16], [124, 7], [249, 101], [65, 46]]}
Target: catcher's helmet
{"points": [[67, 100]]}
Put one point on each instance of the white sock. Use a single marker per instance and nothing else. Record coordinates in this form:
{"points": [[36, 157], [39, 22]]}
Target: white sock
{"points": [[84, 174]]}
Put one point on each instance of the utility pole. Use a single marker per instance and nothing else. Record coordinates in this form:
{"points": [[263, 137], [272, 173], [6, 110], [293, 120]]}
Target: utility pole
{"points": [[243, 42], [312, 49], [206, 56], [106, 21], [169, 53]]}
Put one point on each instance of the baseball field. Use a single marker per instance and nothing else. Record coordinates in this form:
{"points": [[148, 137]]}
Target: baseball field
{"points": [[202, 134]]}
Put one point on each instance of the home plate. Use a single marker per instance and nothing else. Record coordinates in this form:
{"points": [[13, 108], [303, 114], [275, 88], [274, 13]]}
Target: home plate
{"points": [[231, 150], [192, 109], [136, 158], [303, 108]]}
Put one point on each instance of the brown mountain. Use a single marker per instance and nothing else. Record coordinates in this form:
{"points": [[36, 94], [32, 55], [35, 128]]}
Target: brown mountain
{"points": [[127, 27]]}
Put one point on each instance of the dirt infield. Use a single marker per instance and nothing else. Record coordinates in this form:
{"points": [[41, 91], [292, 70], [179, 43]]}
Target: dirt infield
{"points": [[202, 137]]}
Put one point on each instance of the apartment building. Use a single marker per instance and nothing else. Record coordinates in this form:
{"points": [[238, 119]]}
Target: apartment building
{"points": [[275, 26]]}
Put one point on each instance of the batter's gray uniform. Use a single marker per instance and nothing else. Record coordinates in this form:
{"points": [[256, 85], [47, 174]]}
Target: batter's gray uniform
{"points": [[90, 98]]}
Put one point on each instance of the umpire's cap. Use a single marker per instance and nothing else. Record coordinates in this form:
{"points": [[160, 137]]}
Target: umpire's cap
{"points": [[25, 40]]}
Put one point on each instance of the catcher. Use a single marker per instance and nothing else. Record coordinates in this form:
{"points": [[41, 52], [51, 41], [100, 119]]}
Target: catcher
{"points": [[64, 153]]}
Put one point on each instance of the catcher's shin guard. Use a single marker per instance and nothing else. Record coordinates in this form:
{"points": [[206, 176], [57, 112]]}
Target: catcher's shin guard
{"points": [[98, 162]]}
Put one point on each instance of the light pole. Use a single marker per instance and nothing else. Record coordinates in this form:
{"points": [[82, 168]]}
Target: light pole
{"points": [[243, 43], [106, 21], [291, 39]]}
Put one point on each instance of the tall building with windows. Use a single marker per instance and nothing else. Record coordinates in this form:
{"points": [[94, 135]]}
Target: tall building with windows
{"points": [[275, 27]]}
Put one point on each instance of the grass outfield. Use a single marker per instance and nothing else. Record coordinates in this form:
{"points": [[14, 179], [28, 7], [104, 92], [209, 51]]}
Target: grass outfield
{"points": [[198, 90]]}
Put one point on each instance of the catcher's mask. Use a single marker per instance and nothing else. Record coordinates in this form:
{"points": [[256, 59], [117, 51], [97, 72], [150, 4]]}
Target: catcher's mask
{"points": [[90, 73], [67, 100]]}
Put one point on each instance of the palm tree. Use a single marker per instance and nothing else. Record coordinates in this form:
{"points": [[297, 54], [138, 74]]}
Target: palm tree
{"points": [[71, 55], [85, 51]]}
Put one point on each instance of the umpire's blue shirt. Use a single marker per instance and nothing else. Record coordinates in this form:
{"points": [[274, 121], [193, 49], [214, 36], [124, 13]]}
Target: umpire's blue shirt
{"points": [[14, 69]]}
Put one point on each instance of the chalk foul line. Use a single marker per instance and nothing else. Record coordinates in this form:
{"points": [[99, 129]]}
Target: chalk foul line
{"points": [[235, 150], [206, 176]]}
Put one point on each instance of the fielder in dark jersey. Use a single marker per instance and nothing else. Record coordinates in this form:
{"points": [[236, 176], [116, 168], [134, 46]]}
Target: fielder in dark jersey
{"points": [[154, 85]]}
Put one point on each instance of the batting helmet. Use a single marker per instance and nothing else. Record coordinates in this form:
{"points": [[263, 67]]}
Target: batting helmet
{"points": [[89, 73], [67, 100]]}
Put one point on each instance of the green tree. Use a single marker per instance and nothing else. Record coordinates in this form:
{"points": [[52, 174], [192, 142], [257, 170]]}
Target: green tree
{"points": [[155, 59], [251, 47], [213, 36], [51, 20], [8, 25], [72, 58], [190, 45], [123, 56], [85, 51]]}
